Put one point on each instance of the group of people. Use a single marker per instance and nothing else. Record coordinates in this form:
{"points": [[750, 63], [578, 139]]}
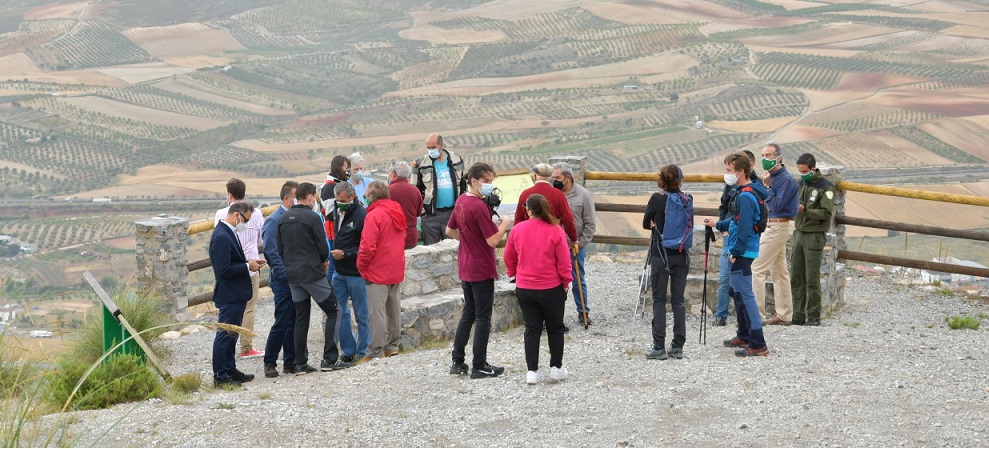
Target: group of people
{"points": [[755, 217], [341, 245]]}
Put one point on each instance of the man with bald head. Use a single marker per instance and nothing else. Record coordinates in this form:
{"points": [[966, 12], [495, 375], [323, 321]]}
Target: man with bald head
{"points": [[440, 180]]}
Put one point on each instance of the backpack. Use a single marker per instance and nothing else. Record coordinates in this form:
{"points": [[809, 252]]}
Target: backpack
{"points": [[760, 225], [678, 228]]}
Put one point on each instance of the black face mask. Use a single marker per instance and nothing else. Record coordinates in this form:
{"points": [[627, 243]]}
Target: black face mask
{"points": [[346, 176], [558, 184]]}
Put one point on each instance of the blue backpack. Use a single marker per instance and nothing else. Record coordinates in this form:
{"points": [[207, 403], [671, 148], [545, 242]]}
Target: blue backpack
{"points": [[678, 228]]}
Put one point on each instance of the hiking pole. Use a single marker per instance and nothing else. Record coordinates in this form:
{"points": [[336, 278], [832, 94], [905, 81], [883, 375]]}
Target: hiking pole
{"points": [[643, 288], [708, 238], [580, 286]]}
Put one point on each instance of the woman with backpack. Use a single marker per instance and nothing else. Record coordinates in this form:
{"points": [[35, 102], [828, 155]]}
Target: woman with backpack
{"points": [[538, 255], [670, 219]]}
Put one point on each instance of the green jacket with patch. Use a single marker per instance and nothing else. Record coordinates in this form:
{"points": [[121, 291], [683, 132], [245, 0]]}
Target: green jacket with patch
{"points": [[817, 198]]}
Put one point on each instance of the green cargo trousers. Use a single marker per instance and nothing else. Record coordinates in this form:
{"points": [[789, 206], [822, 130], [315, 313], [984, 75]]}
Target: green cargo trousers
{"points": [[805, 275]]}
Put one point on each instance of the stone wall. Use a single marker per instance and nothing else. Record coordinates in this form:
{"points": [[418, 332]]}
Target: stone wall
{"points": [[161, 260]]}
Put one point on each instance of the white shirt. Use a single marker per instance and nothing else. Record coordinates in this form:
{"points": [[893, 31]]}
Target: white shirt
{"points": [[250, 239]]}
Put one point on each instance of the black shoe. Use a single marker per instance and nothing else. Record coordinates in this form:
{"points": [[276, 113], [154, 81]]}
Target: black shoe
{"points": [[580, 320], [813, 323], [797, 322], [304, 369], [336, 366], [566, 329], [459, 369], [289, 368], [228, 383], [721, 321], [241, 377], [676, 351], [488, 370], [270, 371]]}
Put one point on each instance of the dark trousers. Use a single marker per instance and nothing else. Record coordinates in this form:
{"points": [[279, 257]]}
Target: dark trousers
{"points": [[478, 300], [327, 302], [539, 308], [281, 337], [746, 308], [676, 278], [225, 342]]}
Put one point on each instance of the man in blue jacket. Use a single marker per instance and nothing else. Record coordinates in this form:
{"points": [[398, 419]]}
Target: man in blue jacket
{"points": [[743, 247], [231, 292], [281, 337], [348, 223]]}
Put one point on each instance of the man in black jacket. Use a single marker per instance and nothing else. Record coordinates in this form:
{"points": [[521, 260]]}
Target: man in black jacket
{"points": [[347, 220], [724, 300], [304, 250]]}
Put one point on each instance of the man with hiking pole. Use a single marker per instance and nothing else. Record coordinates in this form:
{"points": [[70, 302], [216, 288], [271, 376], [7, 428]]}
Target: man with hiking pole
{"points": [[582, 205]]}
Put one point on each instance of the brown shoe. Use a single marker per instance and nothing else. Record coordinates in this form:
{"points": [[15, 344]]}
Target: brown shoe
{"points": [[389, 353], [777, 320], [366, 359]]}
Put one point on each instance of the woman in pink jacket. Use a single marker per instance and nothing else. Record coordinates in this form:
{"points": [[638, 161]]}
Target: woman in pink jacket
{"points": [[538, 255]]}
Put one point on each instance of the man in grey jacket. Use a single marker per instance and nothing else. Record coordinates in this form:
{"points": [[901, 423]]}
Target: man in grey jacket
{"points": [[582, 204]]}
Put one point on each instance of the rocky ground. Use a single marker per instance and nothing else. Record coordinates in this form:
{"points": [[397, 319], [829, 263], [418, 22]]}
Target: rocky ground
{"points": [[884, 371]]}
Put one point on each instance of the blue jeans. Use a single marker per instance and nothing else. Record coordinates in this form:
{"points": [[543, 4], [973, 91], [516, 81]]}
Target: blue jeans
{"points": [[746, 309], [354, 289], [579, 265], [281, 337], [724, 284]]}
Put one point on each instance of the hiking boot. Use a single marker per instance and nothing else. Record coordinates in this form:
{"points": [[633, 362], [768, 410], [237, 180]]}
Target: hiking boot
{"points": [[289, 368], [721, 321], [799, 322], [813, 323], [304, 369], [241, 377], [558, 374], [676, 352], [657, 354], [390, 353], [270, 370], [749, 352], [532, 377], [736, 343], [459, 369], [488, 370]]}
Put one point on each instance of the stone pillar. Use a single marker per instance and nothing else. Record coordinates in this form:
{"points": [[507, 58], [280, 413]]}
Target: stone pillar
{"points": [[832, 271], [161, 260], [578, 163]]}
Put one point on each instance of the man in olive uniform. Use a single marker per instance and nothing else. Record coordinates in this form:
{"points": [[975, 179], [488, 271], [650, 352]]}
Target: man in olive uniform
{"points": [[812, 223]]}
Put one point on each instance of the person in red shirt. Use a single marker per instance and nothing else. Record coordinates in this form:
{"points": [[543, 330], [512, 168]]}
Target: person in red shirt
{"points": [[408, 196], [381, 262], [471, 223], [538, 255], [558, 204]]}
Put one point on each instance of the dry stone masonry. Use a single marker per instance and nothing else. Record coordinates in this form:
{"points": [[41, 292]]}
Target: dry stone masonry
{"points": [[161, 260]]}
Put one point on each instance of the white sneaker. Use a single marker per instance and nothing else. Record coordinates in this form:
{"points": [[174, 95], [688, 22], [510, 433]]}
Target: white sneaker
{"points": [[558, 374], [532, 377]]}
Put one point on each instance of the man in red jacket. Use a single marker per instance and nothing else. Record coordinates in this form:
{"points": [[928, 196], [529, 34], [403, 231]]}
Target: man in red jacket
{"points": [[381, 262], [557, 201], [408, 196]]}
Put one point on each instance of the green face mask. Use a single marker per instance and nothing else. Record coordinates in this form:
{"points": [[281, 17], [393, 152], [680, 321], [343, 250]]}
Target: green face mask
{"points": [[807, 176], [343, 207], [768, 164]]}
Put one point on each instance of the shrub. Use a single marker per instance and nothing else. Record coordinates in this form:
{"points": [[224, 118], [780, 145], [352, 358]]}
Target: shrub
{"points": [[143, 311], [121, 378], [187, 383], [963, 322]]}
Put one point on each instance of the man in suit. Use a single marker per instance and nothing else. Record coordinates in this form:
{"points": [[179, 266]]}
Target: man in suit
{"points": [[232, 291]]}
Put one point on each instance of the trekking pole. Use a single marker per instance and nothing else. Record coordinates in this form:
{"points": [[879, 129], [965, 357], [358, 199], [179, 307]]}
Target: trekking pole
{"points": [[580, 287], [708, 238]]}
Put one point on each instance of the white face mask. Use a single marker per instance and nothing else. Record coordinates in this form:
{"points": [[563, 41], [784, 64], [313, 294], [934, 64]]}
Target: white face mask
{"points": [[295, 201], [241, 227], [434, 153], [731, 179]]}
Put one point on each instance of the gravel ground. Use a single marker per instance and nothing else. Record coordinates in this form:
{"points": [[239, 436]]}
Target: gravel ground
{"points": [[885, 371]]}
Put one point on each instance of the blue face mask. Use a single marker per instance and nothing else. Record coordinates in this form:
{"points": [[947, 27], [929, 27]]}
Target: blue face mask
{"points": [[434, 153], [486, 189]]}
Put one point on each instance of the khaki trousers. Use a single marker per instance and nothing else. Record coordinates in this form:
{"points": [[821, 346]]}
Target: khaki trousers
{"points": [[385, 307], [246, 341], [772, 259]]}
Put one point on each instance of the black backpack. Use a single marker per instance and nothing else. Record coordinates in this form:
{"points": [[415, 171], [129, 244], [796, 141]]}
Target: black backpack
{"points": [[760, 226]]}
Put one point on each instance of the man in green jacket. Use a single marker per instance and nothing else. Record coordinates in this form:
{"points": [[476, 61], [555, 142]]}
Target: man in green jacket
{"points": [[812, 223]]}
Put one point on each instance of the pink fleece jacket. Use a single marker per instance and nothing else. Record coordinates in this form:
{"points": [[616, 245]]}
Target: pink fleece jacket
{"points": [[538, 255]]}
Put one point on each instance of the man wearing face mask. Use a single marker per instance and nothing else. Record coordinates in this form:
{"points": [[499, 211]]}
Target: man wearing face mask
{"points": [[440, 180], [812, 224], [582, 205], [471, 223], [250, 240], [348, 224], [557, 201], [407, 196], [232, 290], [357, 176], [782, 203]]}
